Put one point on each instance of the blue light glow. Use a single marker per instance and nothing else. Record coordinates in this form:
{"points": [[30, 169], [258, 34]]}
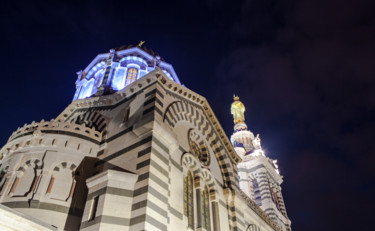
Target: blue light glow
{"points": [[134, 58], [99, 78], [119, 76], [167, 74], [118, 79], [86, 90], [93, 70]]}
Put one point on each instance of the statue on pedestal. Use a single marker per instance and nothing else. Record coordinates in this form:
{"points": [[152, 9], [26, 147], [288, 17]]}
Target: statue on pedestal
{"points": [[238, 110]]}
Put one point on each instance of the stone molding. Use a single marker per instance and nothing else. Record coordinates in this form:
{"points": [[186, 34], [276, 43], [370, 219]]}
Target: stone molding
{"points": [[56, 125], [251, 204]]}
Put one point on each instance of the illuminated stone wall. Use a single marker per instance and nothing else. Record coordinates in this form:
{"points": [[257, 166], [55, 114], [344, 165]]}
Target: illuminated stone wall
{"points": [[11, 220], [259, 177], [118, 161]]}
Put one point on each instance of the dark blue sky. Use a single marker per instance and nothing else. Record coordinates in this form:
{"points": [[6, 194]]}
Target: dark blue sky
{"points": [[305, 71]]}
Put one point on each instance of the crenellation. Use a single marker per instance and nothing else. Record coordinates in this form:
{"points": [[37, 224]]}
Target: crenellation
{"points": [[136, 150], [44, 126]]}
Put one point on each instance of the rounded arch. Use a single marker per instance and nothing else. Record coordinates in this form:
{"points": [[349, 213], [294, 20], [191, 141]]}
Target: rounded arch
{"points": [[194, 115], [64, 165], [98, 66], [190, 162], [33, 163], [198, 147], [198, 183], [179, 110], [92, 119], [26, 178], [252, 227], [62, 183], [210, 183]]}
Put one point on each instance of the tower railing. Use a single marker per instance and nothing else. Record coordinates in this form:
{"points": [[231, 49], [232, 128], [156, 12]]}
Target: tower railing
{"points": [[57, 125]]}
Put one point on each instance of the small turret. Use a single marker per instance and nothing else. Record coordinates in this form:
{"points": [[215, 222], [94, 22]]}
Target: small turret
{"points": [[259, 175], [243, 140]]}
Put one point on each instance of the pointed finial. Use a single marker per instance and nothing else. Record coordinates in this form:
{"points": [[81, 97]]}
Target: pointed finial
{"points": [[141, 43], [256, 142]]}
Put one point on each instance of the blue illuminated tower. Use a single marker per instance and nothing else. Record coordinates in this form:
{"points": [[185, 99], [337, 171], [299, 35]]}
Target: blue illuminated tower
{"points": [[113, 71], [135, 150]]}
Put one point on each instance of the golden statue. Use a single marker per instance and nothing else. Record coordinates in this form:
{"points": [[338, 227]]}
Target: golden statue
{"points": [[237, 110], [141, 43]]}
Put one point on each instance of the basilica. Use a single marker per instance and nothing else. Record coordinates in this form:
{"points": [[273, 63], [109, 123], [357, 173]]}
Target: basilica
{"points": [[136, 150]]}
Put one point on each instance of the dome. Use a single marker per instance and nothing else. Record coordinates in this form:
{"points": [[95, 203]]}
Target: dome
{"points": [[113, 71]]}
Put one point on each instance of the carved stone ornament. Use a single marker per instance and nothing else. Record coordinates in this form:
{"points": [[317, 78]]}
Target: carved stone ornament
{"points": [[198, 147]]}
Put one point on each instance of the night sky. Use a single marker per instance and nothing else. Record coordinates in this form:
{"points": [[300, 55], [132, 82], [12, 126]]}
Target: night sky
{"points": [[305, 70]]}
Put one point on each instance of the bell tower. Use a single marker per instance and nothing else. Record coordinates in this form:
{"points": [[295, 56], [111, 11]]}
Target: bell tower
{"points": [[136, 150], [259, 176]]}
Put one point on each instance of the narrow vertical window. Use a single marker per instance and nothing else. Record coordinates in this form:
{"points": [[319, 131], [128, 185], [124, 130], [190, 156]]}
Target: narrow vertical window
{"points": [[2, 176], [189, 200], [257, 196], [199, 207], [94, 206], [72, 189], [118, 79], [275, 199], [206, 209], [131, 76], [185, 196], [14, 186], [2, 180], [99, 78], [126, 115], [35, 183], [50, 184], [215, 215]]}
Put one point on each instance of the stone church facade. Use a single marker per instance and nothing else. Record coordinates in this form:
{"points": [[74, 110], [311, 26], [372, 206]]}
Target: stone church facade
{"points": [[136, 150]]}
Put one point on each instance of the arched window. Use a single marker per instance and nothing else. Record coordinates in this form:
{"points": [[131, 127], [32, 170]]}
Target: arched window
{"points": [[118, 79], [2, 178], [198, 147], [275, 199], [63, 182], [25, 182], [99, 78], [95, 82], [189, 199], [206, 209], [87, 90], [131, 76], [252, 227]]}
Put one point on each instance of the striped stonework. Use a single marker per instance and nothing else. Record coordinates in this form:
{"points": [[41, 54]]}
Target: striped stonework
{"points": [[107, 73], [109, 201], [189, 112], [91, 119], [269, 188], [121, 160], [150, 205]]}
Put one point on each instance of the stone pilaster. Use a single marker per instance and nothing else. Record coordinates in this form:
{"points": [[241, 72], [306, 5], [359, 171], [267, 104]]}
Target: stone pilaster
{"points": [[109, 201]]}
